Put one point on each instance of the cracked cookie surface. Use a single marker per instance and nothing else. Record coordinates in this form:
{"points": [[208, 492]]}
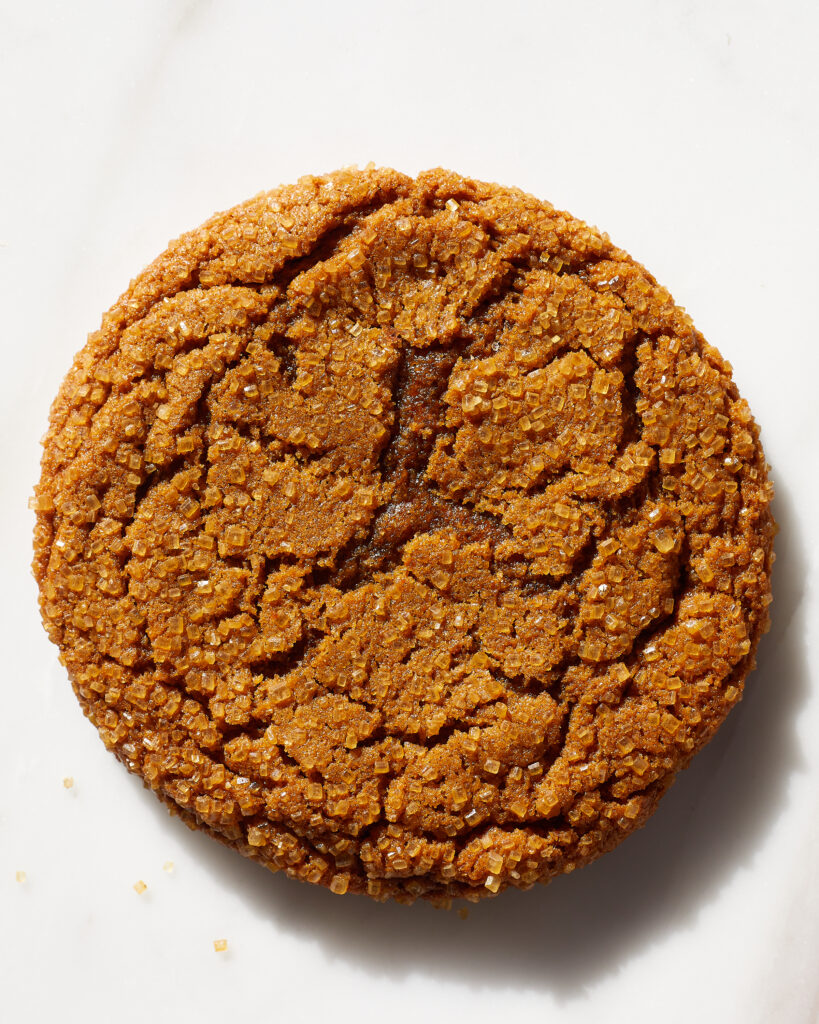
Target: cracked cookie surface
{"points": [[403, 534]]}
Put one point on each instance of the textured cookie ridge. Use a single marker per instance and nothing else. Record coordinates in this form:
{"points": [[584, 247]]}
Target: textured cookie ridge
{"points": [[403, 534]]}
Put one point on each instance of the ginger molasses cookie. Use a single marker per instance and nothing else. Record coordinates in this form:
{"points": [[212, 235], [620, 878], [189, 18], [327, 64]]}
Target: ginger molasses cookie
{"points": [[403, 534]]}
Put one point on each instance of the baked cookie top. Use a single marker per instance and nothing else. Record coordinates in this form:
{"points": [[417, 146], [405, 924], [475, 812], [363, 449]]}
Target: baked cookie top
{"points": [[403, 534]]}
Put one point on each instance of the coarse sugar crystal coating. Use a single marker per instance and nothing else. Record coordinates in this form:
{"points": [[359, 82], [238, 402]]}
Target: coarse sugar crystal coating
{"points": [[403, 534]]}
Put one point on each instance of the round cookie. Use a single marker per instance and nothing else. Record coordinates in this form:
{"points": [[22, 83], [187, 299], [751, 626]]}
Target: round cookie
{"points": [[403, 535]]}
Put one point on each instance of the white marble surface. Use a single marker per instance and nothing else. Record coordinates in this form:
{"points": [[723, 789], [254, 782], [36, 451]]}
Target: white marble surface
{"points": [[688, 131]]}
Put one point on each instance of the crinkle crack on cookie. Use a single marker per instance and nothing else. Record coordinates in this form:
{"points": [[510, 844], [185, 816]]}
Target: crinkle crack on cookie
{"points": [[403, 534]]}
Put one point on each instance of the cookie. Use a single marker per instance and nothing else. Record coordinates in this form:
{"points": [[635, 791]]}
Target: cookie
{"points": [[403, 534]]}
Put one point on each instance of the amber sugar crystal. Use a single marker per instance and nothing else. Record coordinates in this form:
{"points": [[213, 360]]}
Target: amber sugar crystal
{"points": [[403, 534]]}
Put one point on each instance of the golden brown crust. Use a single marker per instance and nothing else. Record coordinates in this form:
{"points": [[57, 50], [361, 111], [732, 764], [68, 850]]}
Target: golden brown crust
{"points": [[403, 534]]}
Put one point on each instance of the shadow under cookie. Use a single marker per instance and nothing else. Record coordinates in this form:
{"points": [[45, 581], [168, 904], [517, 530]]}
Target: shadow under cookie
{"points": [[584, 927]]}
